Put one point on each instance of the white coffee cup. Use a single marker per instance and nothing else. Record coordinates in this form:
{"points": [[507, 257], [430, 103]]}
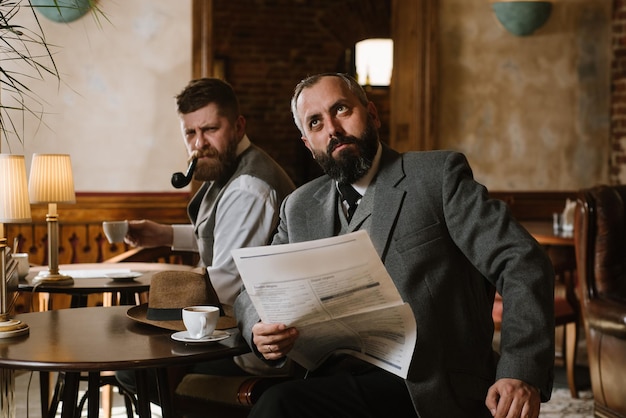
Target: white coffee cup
{"points": [[200, 321], [23, 265], [115, 231]]}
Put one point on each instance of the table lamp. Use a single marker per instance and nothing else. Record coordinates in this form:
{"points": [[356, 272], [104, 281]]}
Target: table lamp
{"points": [[14, 208], [51, 181]]}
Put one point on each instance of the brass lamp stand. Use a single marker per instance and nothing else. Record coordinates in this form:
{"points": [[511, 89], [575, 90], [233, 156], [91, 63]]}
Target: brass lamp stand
{"points": [[51, 181]]}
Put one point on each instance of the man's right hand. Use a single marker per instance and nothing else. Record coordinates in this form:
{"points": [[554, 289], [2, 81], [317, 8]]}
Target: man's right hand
{"points": [[148, 234], [273, 341]]}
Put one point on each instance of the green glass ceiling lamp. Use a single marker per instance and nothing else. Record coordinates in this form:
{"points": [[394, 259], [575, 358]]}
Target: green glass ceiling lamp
{"points": [[522, 18], [62, 11]]}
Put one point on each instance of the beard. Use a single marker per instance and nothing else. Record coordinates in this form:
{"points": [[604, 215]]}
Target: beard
{"points": [[350, 165], [213, 165]]}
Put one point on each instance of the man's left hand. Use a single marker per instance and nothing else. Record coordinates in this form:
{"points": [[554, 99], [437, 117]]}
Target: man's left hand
{"points": [[512, 398], [273, 341]]}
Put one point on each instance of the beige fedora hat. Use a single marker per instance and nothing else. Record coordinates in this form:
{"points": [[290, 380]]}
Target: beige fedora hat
{"points": [[170, 292]]}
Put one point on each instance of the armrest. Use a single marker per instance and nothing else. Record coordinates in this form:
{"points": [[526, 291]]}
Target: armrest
{"points": [[250, 390], [607, 316], [233, 390]]}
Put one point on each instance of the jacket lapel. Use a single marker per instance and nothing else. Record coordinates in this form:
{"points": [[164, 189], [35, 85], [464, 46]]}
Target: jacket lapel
{"points": [[388, 199], [322, 212]]}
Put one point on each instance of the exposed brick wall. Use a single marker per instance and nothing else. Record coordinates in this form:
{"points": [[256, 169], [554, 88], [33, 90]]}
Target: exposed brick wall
{"points": [[617, 169], [269, 45]]}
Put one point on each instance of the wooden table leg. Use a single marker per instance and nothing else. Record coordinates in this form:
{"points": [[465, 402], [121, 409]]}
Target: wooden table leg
{"points": [[93, 388], [44, 392], [164, 392], [143, 393], [49, 405], [7, 395], [70, 394]]}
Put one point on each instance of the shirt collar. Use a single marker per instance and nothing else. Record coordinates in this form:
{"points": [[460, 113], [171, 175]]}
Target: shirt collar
{"points": [[243, 144]]}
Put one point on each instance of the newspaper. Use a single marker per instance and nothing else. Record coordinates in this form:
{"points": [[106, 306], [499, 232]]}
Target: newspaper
{"points": [[338, 294]]}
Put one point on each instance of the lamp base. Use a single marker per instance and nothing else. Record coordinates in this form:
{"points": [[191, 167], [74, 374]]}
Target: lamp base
{"points": [[13, 328], [55, 279]]}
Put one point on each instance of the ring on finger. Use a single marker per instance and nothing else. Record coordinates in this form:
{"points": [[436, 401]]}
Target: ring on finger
{"points": [[269, 348]]}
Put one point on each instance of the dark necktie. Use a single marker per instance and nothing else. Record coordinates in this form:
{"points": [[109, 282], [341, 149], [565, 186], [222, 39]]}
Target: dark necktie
{"points": [[351, 197]]}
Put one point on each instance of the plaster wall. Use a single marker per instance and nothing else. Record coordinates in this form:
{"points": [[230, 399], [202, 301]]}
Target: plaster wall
{"points": [[114, 109], [531, 113]]}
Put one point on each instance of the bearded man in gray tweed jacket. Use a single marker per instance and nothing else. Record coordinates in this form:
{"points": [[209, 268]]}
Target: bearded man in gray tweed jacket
{"points": [[446, 246]]}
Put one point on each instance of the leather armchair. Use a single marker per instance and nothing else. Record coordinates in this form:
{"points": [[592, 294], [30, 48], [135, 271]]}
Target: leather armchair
{"points": [[600, 237]]}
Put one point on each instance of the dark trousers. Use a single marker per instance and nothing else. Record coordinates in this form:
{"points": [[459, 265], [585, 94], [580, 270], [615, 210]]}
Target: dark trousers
{"points": [[373, 393]]}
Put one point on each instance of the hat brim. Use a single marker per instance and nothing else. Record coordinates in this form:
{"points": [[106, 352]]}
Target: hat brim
{"points": [[139, 313]]}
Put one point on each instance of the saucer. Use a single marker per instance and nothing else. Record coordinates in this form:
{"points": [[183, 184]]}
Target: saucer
{"points": [[14, 333], [124, 275], [183, 336]]}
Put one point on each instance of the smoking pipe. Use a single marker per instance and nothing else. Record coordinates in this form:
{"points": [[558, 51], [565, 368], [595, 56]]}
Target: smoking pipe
{"points": [[180, 180]]}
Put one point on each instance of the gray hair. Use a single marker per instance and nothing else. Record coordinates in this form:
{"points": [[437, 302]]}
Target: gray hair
{"points": [[310, 81]]}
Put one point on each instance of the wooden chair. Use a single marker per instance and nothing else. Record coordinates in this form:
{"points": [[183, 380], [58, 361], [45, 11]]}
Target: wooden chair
{"points": [[566, 309], [600, 239]]}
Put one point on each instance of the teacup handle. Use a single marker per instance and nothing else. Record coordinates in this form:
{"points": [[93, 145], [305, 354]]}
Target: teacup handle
{"points": [[201, 330]]}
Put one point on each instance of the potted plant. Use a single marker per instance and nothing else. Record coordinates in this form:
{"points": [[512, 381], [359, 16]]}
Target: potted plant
{"points": [[25, 54]]}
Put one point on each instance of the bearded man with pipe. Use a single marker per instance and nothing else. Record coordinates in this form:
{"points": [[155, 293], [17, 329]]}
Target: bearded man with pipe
{"points": [[237, 204]]}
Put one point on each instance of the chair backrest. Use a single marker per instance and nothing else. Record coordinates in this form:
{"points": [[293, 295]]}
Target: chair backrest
{"points": [[600, 234], [600, 238]]}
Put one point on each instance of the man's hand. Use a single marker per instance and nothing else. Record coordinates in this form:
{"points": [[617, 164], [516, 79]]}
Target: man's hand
{"points": [[273, 341], [148, 234], [512, 398]]}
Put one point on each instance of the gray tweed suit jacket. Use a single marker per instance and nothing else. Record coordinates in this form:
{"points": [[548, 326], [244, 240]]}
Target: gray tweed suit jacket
{"points": [[445, 244]]}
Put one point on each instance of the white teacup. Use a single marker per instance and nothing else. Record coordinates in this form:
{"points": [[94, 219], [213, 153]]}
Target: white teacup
{"points": [[115, 231], [200, 321], [23, 265]]}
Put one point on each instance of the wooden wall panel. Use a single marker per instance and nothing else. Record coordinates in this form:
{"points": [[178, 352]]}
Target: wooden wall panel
{"points": [[202, 38], [413, 83], [81, 239]]}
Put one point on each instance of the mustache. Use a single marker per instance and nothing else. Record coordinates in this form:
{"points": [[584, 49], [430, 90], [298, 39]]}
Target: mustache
{"points": [[339, 140], [204, 152]]}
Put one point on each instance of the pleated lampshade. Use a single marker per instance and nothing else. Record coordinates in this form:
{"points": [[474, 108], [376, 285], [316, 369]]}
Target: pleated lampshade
{"points": [[51, 179], [14, 204]]}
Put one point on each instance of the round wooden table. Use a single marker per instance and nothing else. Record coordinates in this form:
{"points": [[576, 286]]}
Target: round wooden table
{"points": [[545, 234], [100, 339]]}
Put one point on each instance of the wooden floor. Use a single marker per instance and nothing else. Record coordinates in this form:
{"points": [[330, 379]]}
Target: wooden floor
{"points": [[563, 406]]}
